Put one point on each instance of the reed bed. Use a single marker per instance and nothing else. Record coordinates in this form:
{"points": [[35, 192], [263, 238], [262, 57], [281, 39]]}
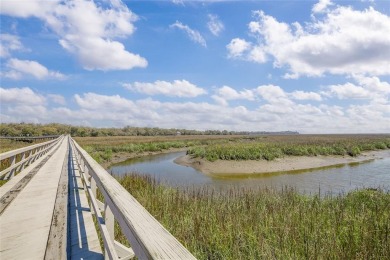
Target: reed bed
{"points": [[269, 224], [262, 148], [103, 148]]}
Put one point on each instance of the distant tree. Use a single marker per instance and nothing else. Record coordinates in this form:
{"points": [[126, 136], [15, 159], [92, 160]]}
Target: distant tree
{"points": [[94, 133], [49, 130]]}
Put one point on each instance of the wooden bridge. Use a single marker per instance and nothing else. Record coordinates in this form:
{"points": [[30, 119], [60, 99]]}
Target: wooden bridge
{"points": [[49, 209]]}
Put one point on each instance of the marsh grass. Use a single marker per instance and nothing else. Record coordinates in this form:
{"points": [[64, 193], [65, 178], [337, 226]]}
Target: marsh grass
{"points": [[261, 148], [247, 147], [9, 145], [268, 224], [103, 148]]}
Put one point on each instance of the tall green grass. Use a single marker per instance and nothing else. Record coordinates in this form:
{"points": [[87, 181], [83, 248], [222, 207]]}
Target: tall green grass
{"points": [[260, 149], [269, 224], [104, 152]]}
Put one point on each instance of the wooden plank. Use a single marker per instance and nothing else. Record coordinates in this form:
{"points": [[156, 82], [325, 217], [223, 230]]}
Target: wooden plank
{"points": [[57, 241], [26, 222], [124, 252], [109, 247], [83, 240], [148, 238], [11, 189], [31, 165]]}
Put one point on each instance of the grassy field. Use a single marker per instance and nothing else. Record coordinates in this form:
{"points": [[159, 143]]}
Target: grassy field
{"points": [[269, 224], [8, 145], [103, 148], [236, 147], [271, 147]]}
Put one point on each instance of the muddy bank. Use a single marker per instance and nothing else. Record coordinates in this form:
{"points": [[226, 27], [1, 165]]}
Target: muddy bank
{"points": [[290, 163]]}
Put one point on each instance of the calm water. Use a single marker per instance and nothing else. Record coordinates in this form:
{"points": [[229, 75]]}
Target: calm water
{"points": [[373, 174]]}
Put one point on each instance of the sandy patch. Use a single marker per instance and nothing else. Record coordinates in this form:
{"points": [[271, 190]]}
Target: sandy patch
{"points": [[289, 163]]}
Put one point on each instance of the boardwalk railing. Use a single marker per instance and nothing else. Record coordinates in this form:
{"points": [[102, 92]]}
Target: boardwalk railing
{"points": [[20, 158], [147, 237], [30, 138]]}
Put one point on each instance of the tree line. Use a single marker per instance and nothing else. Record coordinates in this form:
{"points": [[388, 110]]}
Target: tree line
{"points": [[29, 129]]}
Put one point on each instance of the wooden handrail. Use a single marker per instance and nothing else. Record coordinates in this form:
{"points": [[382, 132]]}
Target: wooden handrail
{"points": [[28, 155], [25, 149], [148, 238], [30, 137]]}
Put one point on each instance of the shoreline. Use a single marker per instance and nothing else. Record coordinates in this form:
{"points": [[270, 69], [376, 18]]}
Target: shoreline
{"points": [[221, 168], [123, 156]]}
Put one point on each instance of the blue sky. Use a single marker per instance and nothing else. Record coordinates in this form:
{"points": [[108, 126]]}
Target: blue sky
{"points": [[310, 66]]}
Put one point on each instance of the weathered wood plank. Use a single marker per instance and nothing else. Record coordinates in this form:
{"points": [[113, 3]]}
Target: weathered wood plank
{"points": [[57, 241], [124, 252], [25, 223], [83, 240], [11, 189]]}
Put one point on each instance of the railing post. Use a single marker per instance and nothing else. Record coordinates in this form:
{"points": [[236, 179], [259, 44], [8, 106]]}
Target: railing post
{"points": [[109, 221], [12, 172], [93, 186], [23, 164], [34, 155], [82, 164]]}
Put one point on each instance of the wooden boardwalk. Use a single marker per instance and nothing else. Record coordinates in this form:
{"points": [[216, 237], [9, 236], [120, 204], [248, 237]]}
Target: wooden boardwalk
{"points": [[26, 222], [48, 207], [84, 242]]}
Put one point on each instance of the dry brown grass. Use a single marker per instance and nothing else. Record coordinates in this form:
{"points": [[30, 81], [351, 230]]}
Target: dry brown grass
{"points": [[9, 145], [121, 140]]}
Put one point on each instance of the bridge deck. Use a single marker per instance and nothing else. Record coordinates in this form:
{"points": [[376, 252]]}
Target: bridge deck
{"points": [[84, 242], [26, 222]]}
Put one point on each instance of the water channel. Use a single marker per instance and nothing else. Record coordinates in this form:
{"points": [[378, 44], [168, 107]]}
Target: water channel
{"points": [[331, 180]]}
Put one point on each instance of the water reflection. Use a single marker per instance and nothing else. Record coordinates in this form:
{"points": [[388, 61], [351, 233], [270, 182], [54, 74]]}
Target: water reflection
{"points": [[335, 180]]}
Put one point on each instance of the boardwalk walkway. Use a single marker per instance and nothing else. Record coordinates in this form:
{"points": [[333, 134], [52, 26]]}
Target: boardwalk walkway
{"points": [[26, 223], [49, 204]]}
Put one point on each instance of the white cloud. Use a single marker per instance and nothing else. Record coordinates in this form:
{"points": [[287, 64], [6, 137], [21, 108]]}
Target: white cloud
{"points": [[276, 112], [348, 91], [241, 49], [273, 94], [58, 99], [9, 43], [17, 96], [215, 25], [321, 6], [177, 88], [194, 35], [302, 95], [178, 2], [237, 47], [95, 101], [86, 29], [226, 93], [343, 41], [28, 8], [270, 93], [19, 68], [373, 84], [371, 88], [97, 53]]}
